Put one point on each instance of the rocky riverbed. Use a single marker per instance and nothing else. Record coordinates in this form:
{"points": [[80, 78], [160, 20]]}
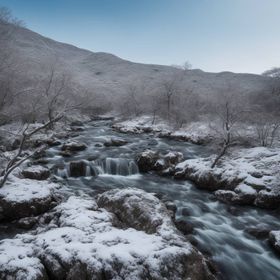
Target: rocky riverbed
{"points": [[81, 210]]}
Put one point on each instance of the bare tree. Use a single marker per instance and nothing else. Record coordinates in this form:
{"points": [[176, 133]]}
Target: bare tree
{"points": [[170, 88], [229, 115], [155, 107], [17, 160], [267, 128], [133, 103], [57, 90]]}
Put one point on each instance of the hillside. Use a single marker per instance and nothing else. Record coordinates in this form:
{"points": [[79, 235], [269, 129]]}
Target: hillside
{"points": [[107, 74]]}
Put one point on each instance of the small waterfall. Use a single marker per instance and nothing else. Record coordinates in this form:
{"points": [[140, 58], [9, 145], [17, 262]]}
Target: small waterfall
{"points": [[88, 171], [62, 172], [112, 166], [118, 166]]}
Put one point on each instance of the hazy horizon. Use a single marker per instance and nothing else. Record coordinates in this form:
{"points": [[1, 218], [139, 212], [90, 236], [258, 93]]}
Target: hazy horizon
{"points": [[214, 36]]}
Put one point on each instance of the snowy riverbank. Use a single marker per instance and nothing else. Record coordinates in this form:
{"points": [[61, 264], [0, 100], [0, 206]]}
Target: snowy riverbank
{"points": [[87, 238]]}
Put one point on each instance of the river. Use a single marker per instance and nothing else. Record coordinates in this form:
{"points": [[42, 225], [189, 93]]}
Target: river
{"points": [[219, 229]]}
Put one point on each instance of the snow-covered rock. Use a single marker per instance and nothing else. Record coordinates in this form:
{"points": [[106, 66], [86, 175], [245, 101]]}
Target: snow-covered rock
{"points": [[116, 142], [24, 197], [73, 146], [274, 238], [245, 176], [83, 241], [146, 160], [162, 163], [36, 172]]}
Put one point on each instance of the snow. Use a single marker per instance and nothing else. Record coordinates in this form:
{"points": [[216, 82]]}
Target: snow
{"points": [[195, 132], [276, 235], [243, 188], [21, 190], [35, 169], [257, 167], [248, 175], [80, 231]]}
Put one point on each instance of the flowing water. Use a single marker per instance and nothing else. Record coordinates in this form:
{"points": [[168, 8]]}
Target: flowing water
{"points": [[219, 229]]}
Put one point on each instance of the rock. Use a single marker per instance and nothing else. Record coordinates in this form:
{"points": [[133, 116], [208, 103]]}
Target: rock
{"points": [[163, 164], [52, 142], [116, 142], [159, 165], [134, 208], [170, 171], [246, 194], [173, 157], [66, 153], [27, 223], [73, 146], [184, 226], [225, 196], [85, 241], [207, 179], [269, 200], [243, 195], [36, 172], [24, 198], [171, 206], [147, 129], [99, 145], [258, 232], [77, 168], [147, 160], [274, 239]]}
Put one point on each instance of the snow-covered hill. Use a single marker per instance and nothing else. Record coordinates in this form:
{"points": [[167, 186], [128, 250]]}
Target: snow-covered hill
{"points": [[108, 74]]}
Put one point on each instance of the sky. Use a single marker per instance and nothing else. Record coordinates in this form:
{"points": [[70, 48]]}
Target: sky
{"points": [[213, 35]]}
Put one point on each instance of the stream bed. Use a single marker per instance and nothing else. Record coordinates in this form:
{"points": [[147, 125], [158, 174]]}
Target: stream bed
{"points": [[219, 229]]}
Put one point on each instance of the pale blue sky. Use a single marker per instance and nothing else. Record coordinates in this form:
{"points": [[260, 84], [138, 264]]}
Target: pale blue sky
{"points": [[214, 35]]}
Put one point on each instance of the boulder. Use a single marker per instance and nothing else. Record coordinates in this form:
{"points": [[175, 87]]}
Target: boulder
{"points": [[163, 164], [36, 172], [274, 239], [24, 198], [146, 161]]}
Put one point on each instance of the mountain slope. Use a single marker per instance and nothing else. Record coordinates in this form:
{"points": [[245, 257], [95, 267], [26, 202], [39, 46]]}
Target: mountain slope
{"points": [[110, 75]]}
